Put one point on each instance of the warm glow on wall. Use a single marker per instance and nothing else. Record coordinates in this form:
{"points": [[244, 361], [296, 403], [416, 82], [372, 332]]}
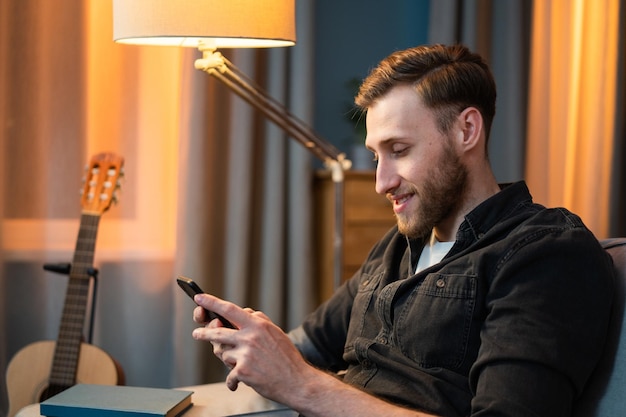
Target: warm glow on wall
{"points": [[132, 108], [572, 106], [147, 118]]}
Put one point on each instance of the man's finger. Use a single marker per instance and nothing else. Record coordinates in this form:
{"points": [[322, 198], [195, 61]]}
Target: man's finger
{"points": [[232, 382], [230, 311]]}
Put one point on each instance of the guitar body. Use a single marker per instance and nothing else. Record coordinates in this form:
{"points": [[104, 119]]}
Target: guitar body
{"points": [[28, 372]]}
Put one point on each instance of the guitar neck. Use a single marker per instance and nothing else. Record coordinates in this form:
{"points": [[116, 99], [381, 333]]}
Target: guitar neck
{"points": [[65, 362]]}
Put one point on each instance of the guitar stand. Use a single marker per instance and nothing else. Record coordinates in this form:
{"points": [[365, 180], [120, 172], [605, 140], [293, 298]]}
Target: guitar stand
{"points": [[64, 269]]}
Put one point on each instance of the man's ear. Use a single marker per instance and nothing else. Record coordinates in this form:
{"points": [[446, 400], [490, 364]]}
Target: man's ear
{"points": [[470, 125]]}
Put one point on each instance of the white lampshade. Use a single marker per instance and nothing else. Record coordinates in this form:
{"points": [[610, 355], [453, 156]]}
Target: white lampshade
{"points": [[222, 23]]}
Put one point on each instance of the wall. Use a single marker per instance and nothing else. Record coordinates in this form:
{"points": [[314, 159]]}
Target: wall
{"points": [[351, 37]]}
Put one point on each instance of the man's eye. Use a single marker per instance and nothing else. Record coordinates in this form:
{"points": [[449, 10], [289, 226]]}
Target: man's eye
{"points": [[399, 151]]}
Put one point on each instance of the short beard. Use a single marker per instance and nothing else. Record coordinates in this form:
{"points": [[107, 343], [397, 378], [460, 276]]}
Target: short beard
{"points": [[440, 195]]}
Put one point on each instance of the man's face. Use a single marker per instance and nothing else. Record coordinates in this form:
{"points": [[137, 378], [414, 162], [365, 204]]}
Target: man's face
{"points": [[418, 168]]}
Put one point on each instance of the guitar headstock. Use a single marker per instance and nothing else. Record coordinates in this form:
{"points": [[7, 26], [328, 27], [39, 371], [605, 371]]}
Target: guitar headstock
{"points": [[101, 182]]}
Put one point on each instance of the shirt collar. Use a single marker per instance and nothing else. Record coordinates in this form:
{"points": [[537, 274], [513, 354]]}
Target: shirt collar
{"points": [[491, 211]]}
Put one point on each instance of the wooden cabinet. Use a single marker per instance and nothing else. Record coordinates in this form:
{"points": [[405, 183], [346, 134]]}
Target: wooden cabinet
{"points": [[366, 218]]}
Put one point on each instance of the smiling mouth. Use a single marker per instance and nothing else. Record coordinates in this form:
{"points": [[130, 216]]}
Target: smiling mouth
{"points": [[398, 201]]}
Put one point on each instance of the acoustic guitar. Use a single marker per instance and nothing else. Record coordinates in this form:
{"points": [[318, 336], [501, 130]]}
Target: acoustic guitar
{"points": [[43, 369]]}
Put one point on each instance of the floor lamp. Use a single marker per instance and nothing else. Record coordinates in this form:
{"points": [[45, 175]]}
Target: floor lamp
{"points": [[212, 24]]}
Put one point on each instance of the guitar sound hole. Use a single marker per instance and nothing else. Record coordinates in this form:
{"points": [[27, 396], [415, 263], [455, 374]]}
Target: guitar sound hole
{"points": [[51, 391]]}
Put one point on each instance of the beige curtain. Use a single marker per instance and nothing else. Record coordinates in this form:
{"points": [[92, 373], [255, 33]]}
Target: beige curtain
{"points": [[572, 136], [211, 189]]}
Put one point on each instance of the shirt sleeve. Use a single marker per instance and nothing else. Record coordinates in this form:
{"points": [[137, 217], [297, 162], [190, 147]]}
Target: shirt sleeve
{"points": [[548, 308], [322, 336]]}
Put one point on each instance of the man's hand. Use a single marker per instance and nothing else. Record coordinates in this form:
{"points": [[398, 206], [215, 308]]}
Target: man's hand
{"points": [[259, 353]]}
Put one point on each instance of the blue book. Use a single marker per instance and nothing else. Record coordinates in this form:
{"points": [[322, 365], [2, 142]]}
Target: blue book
{"points": [[88, 400]]}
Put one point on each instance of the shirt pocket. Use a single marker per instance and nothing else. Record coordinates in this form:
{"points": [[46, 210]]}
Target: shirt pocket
{"points": [[362, 307], [432, 325]]}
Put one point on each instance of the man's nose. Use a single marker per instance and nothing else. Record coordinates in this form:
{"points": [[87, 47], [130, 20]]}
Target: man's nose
{"points": [[386, 180]]}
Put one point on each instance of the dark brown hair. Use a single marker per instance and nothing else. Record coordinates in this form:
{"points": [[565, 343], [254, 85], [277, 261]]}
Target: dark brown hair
{"points": [[448, 79]]}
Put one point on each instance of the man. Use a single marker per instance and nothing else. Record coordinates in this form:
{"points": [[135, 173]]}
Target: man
{"points": [[479, 302]]}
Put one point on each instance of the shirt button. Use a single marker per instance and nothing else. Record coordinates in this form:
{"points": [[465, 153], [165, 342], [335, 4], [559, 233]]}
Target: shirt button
{"points": [[440, 283]]}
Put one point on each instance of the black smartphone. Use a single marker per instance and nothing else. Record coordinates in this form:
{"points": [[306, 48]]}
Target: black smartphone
{"points": [[191, 288]]}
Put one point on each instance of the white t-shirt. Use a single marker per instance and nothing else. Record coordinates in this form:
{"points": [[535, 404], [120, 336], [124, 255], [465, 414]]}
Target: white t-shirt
{"points": [[433, 253]]}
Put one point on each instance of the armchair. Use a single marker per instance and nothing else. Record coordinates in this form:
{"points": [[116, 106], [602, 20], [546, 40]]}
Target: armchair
{"points": [[605, 395]]}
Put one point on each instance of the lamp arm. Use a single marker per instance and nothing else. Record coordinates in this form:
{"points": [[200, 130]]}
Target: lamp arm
{"points": [[215, 64]]}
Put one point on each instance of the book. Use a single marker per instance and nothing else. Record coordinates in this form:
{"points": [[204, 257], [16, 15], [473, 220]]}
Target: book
{"points": [[89, 400]]}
